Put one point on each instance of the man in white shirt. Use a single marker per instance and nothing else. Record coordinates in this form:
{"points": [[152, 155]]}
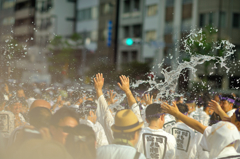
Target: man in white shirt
{"points": [[153, 141], [88, 112], [184, 135], [220, 139], [227, 102]]}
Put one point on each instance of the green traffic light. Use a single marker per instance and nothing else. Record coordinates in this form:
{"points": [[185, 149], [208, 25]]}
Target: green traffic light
{"points": [[129, 41]]}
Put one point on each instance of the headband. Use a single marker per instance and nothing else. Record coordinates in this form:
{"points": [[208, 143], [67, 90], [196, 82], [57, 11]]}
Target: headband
{"points": [[237, 114], [227, 99]]}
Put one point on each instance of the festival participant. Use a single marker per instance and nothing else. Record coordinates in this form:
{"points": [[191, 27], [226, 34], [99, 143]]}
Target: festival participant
{"points": [[163, 143], [199, 113], [126, 134], [184, 135], [103, 113], [227, 103], [191, 106], [80, 143], [88, 117], [218, 139], [62, 118], [14, 105]]}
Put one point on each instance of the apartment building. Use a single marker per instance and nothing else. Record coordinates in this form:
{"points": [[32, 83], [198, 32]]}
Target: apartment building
{"points": [[131, 17]]}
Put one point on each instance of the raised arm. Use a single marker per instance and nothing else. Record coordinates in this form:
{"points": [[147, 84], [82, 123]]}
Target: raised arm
{"points": [[217, 109], [173, 110], [126, 88]]}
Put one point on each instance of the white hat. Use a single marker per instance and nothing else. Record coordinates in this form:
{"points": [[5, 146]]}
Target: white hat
{"points": [[218, 136], [30, 101]]}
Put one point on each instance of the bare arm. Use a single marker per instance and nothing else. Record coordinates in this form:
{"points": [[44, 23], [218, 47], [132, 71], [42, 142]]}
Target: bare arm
{"points": [[125, 87], [173, 110], [217, 109], [98, 84]]}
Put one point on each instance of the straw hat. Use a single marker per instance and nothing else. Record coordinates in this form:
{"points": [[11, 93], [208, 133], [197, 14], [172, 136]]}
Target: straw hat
{"points": [[126, 121]]}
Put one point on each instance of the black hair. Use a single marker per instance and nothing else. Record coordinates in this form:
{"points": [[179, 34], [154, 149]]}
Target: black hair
{"points": [[153, 111], [215, 118], [63, 113], [183, 108], [39, 117], [80, 142]]}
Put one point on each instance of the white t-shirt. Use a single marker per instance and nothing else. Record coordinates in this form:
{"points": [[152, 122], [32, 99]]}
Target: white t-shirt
{"points": [[101, 137], [200, 116], [169, 120], [185, 138], [153, 143], [228, 153], [230, 113]]}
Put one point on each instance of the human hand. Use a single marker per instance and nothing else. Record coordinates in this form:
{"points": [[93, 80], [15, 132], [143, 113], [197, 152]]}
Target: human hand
{"points": [[215, 106], [148, 99], [98, 81], [124, 83], [173, 110], [111, 99]]}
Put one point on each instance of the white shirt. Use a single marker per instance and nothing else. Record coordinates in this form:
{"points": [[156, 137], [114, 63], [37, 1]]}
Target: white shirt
{"points": [[228, 152], [169, 120], [151, 141], [185, 138], [230, 113], [101, 137], [200, 116], [201, 154], [7, 123], [115, 151], [105, 118]]}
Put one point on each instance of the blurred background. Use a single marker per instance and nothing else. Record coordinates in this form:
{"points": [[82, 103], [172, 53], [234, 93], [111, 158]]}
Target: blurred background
{"points": [[66, 41]]}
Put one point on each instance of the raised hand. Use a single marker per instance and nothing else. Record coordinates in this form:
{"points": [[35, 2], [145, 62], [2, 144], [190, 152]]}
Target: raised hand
{"points": [[98, 84], [148, 99], [124, 83], [173, 110], [111, 99], [215, 106]]}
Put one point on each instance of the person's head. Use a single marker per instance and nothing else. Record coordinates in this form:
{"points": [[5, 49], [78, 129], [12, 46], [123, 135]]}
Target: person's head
{"points": [[216, 98], [227, 102], [154, 114], [80, 143], [235, 118], [62, 118], [20, 93], [39, 117], [126, 126], [183, 108], [40, 103], [14, 105], [88, 110]]}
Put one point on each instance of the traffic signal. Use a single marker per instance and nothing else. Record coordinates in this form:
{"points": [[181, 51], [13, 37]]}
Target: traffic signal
{"points": [[129, 41]]}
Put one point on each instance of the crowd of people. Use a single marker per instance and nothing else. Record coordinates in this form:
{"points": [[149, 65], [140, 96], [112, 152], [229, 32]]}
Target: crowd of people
{"points": [[49, 123]]}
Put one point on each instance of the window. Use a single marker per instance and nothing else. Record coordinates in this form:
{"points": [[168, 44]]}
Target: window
{"points": [[210, 19], [152, 10], [222, 19], [151, 35], [236, 20], [8, 21], [202, 20], [87, 14], [134, 55], [137, 31], [124, 57], [136, 5], [187, 1], [126, 31], [169, 3], [8, 4], [126, 6]]}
